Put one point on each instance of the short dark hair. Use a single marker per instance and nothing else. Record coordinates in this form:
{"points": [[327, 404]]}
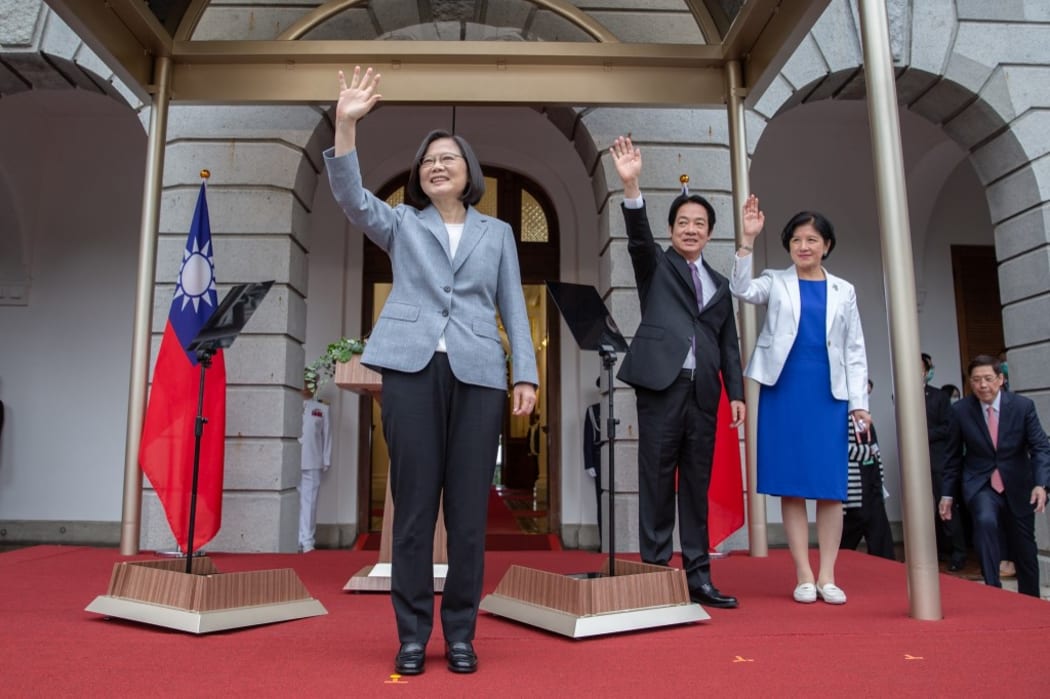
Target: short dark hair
{"points": [[951, 388], [475, 188], [927, 361], [984, 360], [683, 199], [818, 221]]}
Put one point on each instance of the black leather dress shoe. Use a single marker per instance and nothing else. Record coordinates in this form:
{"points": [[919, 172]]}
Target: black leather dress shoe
{"points": [[461, 656], [957, 564], [708, 595], [410, 659]]}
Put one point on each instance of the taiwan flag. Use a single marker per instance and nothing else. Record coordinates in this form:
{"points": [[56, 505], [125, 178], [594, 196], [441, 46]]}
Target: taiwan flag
{"points": [[166, 455], [725, 496]]}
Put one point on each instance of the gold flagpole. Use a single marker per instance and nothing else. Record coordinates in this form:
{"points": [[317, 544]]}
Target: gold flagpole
{"points": [[140, 342], [920, 542], [757, 534]]}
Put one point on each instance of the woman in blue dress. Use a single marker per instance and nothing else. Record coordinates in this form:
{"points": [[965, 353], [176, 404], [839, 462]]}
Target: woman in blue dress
{"points": [[810, 359]]}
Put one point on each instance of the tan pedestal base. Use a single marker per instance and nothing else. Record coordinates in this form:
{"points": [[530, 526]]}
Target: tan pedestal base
{"points": [[639, 596], [377, 578], [163, 594]]}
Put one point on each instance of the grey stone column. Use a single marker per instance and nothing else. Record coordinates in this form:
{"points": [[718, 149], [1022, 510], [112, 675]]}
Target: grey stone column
{"points": [[264, 164]]}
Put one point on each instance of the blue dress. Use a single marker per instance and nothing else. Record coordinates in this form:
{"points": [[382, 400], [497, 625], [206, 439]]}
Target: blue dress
{"points": [[802, 444]]}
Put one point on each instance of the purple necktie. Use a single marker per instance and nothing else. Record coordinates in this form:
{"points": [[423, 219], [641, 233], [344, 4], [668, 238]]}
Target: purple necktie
{"points": [[697, 285]]}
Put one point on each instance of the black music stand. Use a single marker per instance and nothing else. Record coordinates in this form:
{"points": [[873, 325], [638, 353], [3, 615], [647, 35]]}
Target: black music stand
{"points": [[625, 595], [219, 332], [595, 331]]}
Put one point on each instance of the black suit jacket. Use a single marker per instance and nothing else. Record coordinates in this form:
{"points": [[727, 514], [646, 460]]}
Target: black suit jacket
{"points": [[1022, 453], [670, 318], [939, 419], [592, 438]]}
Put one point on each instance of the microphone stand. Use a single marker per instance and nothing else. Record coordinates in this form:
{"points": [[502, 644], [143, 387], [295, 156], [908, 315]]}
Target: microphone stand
{"points": [[204, 355], [608, 355]]}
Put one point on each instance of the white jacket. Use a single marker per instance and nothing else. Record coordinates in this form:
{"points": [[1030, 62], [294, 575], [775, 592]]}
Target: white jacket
{"points": [[778, 290]]}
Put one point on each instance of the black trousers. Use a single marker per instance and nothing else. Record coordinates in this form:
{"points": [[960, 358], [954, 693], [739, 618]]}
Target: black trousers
{"points": [[951, 536], [869, 521], [990, 513], [676, 440], [443, 436]]}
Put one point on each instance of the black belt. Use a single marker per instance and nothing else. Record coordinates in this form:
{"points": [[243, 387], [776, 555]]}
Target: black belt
{"points": [[687, 374]]}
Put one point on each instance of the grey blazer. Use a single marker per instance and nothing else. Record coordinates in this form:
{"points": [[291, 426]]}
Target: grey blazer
{"points": [[434, 293], [778, 289]]}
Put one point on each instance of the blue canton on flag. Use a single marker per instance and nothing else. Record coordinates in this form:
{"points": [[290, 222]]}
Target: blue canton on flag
{"points": [[195, 294]]}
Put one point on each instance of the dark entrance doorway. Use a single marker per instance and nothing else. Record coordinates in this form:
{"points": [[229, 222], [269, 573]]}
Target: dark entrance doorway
{"points": [[978, 308], [531, 466]]}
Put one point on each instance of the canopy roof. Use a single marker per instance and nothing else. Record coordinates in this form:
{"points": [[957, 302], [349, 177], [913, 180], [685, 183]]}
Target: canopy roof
{"points": [[548, 52]]}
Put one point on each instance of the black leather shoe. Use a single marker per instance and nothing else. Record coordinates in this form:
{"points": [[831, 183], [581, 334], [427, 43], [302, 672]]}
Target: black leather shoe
{"points": [[957, 564], [410, 659], [708, 595], [461, 656]]}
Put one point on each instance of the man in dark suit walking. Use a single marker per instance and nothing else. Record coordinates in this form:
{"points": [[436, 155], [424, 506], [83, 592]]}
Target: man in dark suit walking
{"points": [[687, 338], [951, 539], [1000, 452]]}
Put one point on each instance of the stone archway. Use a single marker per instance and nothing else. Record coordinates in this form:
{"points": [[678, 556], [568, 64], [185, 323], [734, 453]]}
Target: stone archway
{"points": [[949, 74]]}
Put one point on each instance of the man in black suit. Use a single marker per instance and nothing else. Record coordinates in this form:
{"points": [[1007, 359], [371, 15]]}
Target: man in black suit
{"points": [[686, 338], [999, 450], [592, 454], [951, 539]]}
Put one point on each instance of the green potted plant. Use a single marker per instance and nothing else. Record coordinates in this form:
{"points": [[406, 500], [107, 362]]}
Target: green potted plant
{"points": [[322, 369]]}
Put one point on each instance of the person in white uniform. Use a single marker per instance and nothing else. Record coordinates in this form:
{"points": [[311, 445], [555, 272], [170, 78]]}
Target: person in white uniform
{"points": [[316, 441]]}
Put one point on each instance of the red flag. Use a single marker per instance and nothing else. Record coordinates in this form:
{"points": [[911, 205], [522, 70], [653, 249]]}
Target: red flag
{"points": [[725, 497], [166, 455]]}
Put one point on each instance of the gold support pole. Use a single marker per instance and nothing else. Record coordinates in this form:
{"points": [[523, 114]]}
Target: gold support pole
{"points": [[758, 543], [140, 343], [920, 543]]}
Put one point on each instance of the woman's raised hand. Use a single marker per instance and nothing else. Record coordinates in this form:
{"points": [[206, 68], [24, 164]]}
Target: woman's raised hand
{"points": [[357, 98], [754, 219]]}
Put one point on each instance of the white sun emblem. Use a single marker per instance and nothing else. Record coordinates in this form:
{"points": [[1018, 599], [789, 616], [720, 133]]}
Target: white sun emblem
{"points": [[197, 277]]}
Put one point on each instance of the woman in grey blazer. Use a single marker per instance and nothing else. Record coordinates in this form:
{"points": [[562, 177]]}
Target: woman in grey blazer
{"points": [[810, 359], [437, 344]]}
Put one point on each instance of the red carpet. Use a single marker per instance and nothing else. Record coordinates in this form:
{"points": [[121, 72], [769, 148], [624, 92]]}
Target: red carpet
{"points": [[503, 531], [493, 542], [501, 518], [771, 646]]}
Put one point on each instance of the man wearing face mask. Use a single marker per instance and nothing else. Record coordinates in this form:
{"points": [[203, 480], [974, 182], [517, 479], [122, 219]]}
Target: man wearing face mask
{"points": [[951, 541]]}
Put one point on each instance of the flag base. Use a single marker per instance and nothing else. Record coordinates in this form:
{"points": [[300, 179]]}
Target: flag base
{"points": [[161, 593], [639, 596], [376, 578]]}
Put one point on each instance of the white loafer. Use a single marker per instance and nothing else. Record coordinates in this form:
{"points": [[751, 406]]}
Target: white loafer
{"points": [[832, 594], [806, 593]]}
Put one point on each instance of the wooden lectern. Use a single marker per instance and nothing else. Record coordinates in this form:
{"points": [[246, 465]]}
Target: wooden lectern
{"points": [[355, 377]]}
